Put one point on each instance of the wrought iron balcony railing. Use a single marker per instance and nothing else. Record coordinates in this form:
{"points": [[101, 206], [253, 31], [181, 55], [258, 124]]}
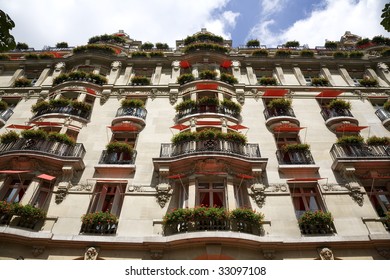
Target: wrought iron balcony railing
{"points": [[43, 147], [117, 158], [383, 114], [270, 113], [210, 146], [333, 113], [99, 228], [67, 110], [207, 109], [294, 157], [360, 151], [6, 114], [129, 111]]}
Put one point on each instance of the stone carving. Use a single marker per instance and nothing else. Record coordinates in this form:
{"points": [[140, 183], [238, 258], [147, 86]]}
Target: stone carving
{"points": [[333, 188], [91, 254], [81, 187], [269, 254], [355, 193], [326, 254], [240, 96], [60, 195], [257, 193], [383, 66], [59, 66], [164, 193], [277, 188], [116, 64], [173, 95], [37, 250]]}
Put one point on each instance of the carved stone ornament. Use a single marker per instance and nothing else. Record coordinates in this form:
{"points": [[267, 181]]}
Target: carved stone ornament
{"points": [[173, 95], [257, 193], [164, 193], [269, 254], [59, 66], [81, 187], [116, 64], [326, 254], [91, 254]]}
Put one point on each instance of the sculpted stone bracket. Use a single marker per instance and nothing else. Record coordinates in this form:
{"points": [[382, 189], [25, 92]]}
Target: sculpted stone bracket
{"points": [[258, 192], [325, 253], [91, 254], [164, 193]]}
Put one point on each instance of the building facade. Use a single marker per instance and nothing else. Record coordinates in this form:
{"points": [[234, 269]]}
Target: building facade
{"points": [[120, 150]]}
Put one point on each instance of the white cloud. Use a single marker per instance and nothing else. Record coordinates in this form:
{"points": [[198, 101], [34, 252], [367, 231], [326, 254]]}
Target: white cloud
{"points": [[330, 21], [46, 22], [269, 7]]}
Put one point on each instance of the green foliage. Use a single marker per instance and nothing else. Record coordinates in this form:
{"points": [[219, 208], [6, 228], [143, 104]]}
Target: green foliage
{"points": [[315, 218], [21, 46], [208, 134], [22, 82], [208, 101], [385, 53], [57, 103], [247, 215], [362, 42], [46, 56], [260, 53], [253, 43], [184, 136], [340, 54], [34, 134], [268, 81], [229, 79], [283, 53], [203, 37], [31, 56], [162, 46], [186, 104], [291, 44], [156, 54], [94, 48], [7, 41], [29, 212], [147, 46], [140, 80], [61, 138], [139, 54], [368, 82], [132, 103], [9, 137], [319, 81], [7, 208], [99, 218], [375, 141], [185, 78], [295, 148], [231, 105], [4, 56], [208, 75], [356, 54], [85, 107], [205, 47], [62, 45], [80, 76], [119, 147], [306, 53], [339, 104], [386, 106], [279, 103], [3, 105], [331, 45], [40, 106], [350, 140], [106, 39]]}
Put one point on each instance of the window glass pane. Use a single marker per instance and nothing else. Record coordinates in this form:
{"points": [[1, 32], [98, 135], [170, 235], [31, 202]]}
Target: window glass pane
{"points": [[204, 199], [218, 199]]}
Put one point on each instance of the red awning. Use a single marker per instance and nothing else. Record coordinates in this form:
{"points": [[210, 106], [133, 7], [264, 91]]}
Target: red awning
{"points": [[124, 127], [304, 179], [19, 126], [329, 94], [91, 91], [226, 64], [349, 128], [244, 176], [185, 64], [210, 173], [208, 123], [112, 181], [203, 86], [237, 127], [14, 171], [287, 128], [180, 126], [46, 177], [176, 176], [47, 123], [275, 92]]}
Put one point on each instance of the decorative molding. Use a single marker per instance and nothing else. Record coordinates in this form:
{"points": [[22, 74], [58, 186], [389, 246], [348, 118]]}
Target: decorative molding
{"points": [[156, 254], [173, 96], [384, 252], [277, 188], [355, 192], [164, 193], [81, 187], [269, 254], [333, 188], [257, 193], [37, 250]]}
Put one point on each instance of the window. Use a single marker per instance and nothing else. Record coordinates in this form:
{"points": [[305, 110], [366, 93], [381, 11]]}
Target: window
{"points": [[380, 199], [306, 197], [211, 194], [15, 190], [108, 197], [42, 195]]}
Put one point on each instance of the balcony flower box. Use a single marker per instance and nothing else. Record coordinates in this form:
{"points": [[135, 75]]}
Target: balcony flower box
{"points": [[56, 103], [229, 79], [368, 82], [260, 53], [306, 53], [119, 147], [319, 82], [316, 222], [232, 106], [203, 37], [208, 134], [378, 141], [185, 78], [208, 101], [350, 140], [205, 47], [339, 104], [3, 105], [208, 75], [188, 104], [22, 82], [29, 216], [34, 134], [246, 220], [140, 81], [283, 53], [253, 43], [94, 48], [40, 106], [279, 104], [9, 137], [132, 103], [80, 76], [82, 106], [340, 54], [295, 148], [61, 138], [99, 223], [7, 210], [268, 81]]}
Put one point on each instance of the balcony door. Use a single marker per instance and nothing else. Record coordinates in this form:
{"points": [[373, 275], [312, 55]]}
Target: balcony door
{"points": [[211, 194], [108, 197], [15, 190]]}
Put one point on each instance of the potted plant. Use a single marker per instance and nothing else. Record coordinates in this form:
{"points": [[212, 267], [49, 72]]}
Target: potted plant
{"points": [[291, 44], [233, 136], [330, 45], [260, 53], [368, 82], [350, 140], [3, 105], [253, 43], [61, 138], [319, 81], [279, 104], [356, 54], [306, 53], [187, 104], [283, 53], [231, 105], [339, 105], [229, 79], [40, 106], [268, 81], [94, 48], [246, 220], [9, 137], [140, 80], [33, 134], [177, 219], [185, 78], [82, 106], [22, 82], [340, 54], [298, 147], [147, 46], [29, 215], [378, 141], [99, 222], [205, 47], [7, 210], [132, 103], [182, 137], [208, 101], [316, 222], [59, 103], [119, 147], [139, 54], [208, 75]]}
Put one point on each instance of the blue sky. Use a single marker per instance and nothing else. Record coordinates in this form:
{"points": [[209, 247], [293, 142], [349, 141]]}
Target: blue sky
{"points": [[42, 23]]}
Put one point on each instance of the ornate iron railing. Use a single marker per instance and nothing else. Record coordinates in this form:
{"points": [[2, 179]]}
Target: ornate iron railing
{"points": [[131, 111], [43, 147], [270, 113], [6, 114], [332, 113], [99, 228], [210, 146], [66, 110], [382, 114], [207, 109], [362, 151], [117, 158], [294, 157]]}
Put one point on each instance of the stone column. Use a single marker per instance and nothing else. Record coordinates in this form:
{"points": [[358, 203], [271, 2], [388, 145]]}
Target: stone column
{"points": [[191, 193], [230, 197]]}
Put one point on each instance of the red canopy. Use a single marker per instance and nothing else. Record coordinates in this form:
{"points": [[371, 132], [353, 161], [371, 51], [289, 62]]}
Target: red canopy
{"points": [[124, 127], [287, 128], [47, 123], [210, 86], [14, 171], [237, 127], [304, 179], [208, 123], [176, 176], [329, 94], [180, 126], [275, 92], [91, 91], [46, 177], [185, 64], [244, 176], [350, 128], [19, 126], [226, 64]]}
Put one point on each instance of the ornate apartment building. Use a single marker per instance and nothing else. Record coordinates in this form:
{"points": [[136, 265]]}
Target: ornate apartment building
{"points": [[122, 150]]}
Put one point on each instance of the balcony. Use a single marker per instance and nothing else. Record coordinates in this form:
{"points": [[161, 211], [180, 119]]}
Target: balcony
{"points": [[99, 228], [134, 112], [222, 147], [337, 116], [116, 164], [221, 110], [277, 116], [44, 149], [384, 116], [361, 156], [5, 115], [117, 158], [66, 110], [294, 157]]}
